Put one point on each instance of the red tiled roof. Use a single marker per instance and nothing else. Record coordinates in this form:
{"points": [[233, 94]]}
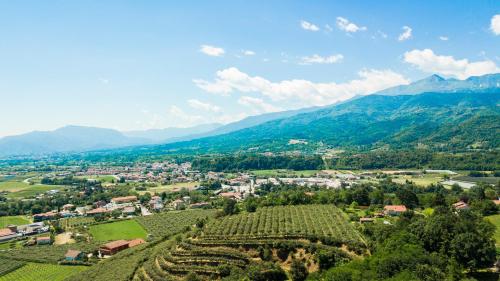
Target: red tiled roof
{"points": [[6, 231], [124, 199], [497, 202], [97, 211], [72, 253], [395, 208], [135, 242], [115, 244]]}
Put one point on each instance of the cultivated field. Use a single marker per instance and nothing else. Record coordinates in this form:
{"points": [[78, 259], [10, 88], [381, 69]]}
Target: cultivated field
{"points": [[42, 272], [18, 189], [286, 222], [171, 187], [168, 223], [16, 220], [127, 229], [76, 222]]}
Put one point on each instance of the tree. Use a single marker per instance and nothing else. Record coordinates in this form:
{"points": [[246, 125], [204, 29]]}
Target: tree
{"points": [[407, 197], [229, 207], [298, 270]]}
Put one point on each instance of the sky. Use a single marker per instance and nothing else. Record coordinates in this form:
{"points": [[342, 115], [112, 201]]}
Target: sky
{"points": [[135, 65]]}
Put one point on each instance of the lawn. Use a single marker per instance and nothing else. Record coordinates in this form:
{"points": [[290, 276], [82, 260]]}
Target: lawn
{"points": [[495, 219], [16, 220], [126, 229], [42, 272], [18, 189], [171, 187]]}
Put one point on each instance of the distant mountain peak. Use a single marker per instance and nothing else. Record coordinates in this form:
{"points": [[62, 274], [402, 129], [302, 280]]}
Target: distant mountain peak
{"points": [[434, 78], [436, 83]]}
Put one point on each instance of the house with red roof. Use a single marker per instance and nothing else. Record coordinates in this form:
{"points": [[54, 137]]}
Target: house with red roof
{"points": [[394, 210]]}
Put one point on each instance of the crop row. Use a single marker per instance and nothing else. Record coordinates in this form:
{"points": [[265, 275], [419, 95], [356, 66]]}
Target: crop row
{"points": [[168, 223], [300, 221]]}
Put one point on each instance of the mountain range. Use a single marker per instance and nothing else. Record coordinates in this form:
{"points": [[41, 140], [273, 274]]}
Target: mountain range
{"points": [[436, 112]]}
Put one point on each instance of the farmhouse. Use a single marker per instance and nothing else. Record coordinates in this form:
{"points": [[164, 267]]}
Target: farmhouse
{"points": [[7, 233], [394, 210], [114, 247], [73, 255], [97, 211], [43, 240], [178, 204], [497, 202], [125, 199], [460, 205], [45, 216]]}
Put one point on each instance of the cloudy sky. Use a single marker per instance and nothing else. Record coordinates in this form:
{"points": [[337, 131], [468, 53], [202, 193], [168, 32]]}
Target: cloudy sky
{"points": [[134, 65]]}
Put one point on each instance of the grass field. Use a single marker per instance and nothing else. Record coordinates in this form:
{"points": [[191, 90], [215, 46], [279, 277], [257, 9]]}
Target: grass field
{"points": [[42, 272], [127, 229], [171, 187], [420, 180], [18, 189], [101, 178], [16, 220], [496, 221], [284, 173]]}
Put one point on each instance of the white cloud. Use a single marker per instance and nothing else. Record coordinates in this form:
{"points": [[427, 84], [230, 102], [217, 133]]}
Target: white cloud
{"points": [[183, 119], [322, 60], [427, 61], [328, 28], [248, 52], [212, 50], [308, 26], [443, 38], [495, 24], [298, 90], [406, 33], [258, 105], [196, 104], [347, 26]]}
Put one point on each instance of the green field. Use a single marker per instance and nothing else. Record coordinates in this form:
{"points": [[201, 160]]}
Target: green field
{"points": [[284, 173], [420, 180], [127, 229], [171, 187], [18, 189], [496, 221], [101, 178], [42, 272], [16, 220]]}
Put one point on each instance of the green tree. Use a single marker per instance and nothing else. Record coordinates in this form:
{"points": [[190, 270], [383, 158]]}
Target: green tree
{"points": [[298, 270]]}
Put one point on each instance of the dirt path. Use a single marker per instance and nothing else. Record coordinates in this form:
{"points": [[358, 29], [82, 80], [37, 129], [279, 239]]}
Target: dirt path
{"points": [[64, 238]]}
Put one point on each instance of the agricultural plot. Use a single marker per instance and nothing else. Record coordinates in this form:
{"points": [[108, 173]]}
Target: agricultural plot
{"points": [[420, 180], [42, 272], [76, 222], [169, 223], [7, 265], [171, 187], [290, 222], [284, 173], [15, 220], [45, 254], [16, 189], [126, 229]]}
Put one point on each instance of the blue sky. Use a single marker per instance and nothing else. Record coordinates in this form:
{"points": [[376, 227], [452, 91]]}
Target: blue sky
{"points": [[134, 65]]}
